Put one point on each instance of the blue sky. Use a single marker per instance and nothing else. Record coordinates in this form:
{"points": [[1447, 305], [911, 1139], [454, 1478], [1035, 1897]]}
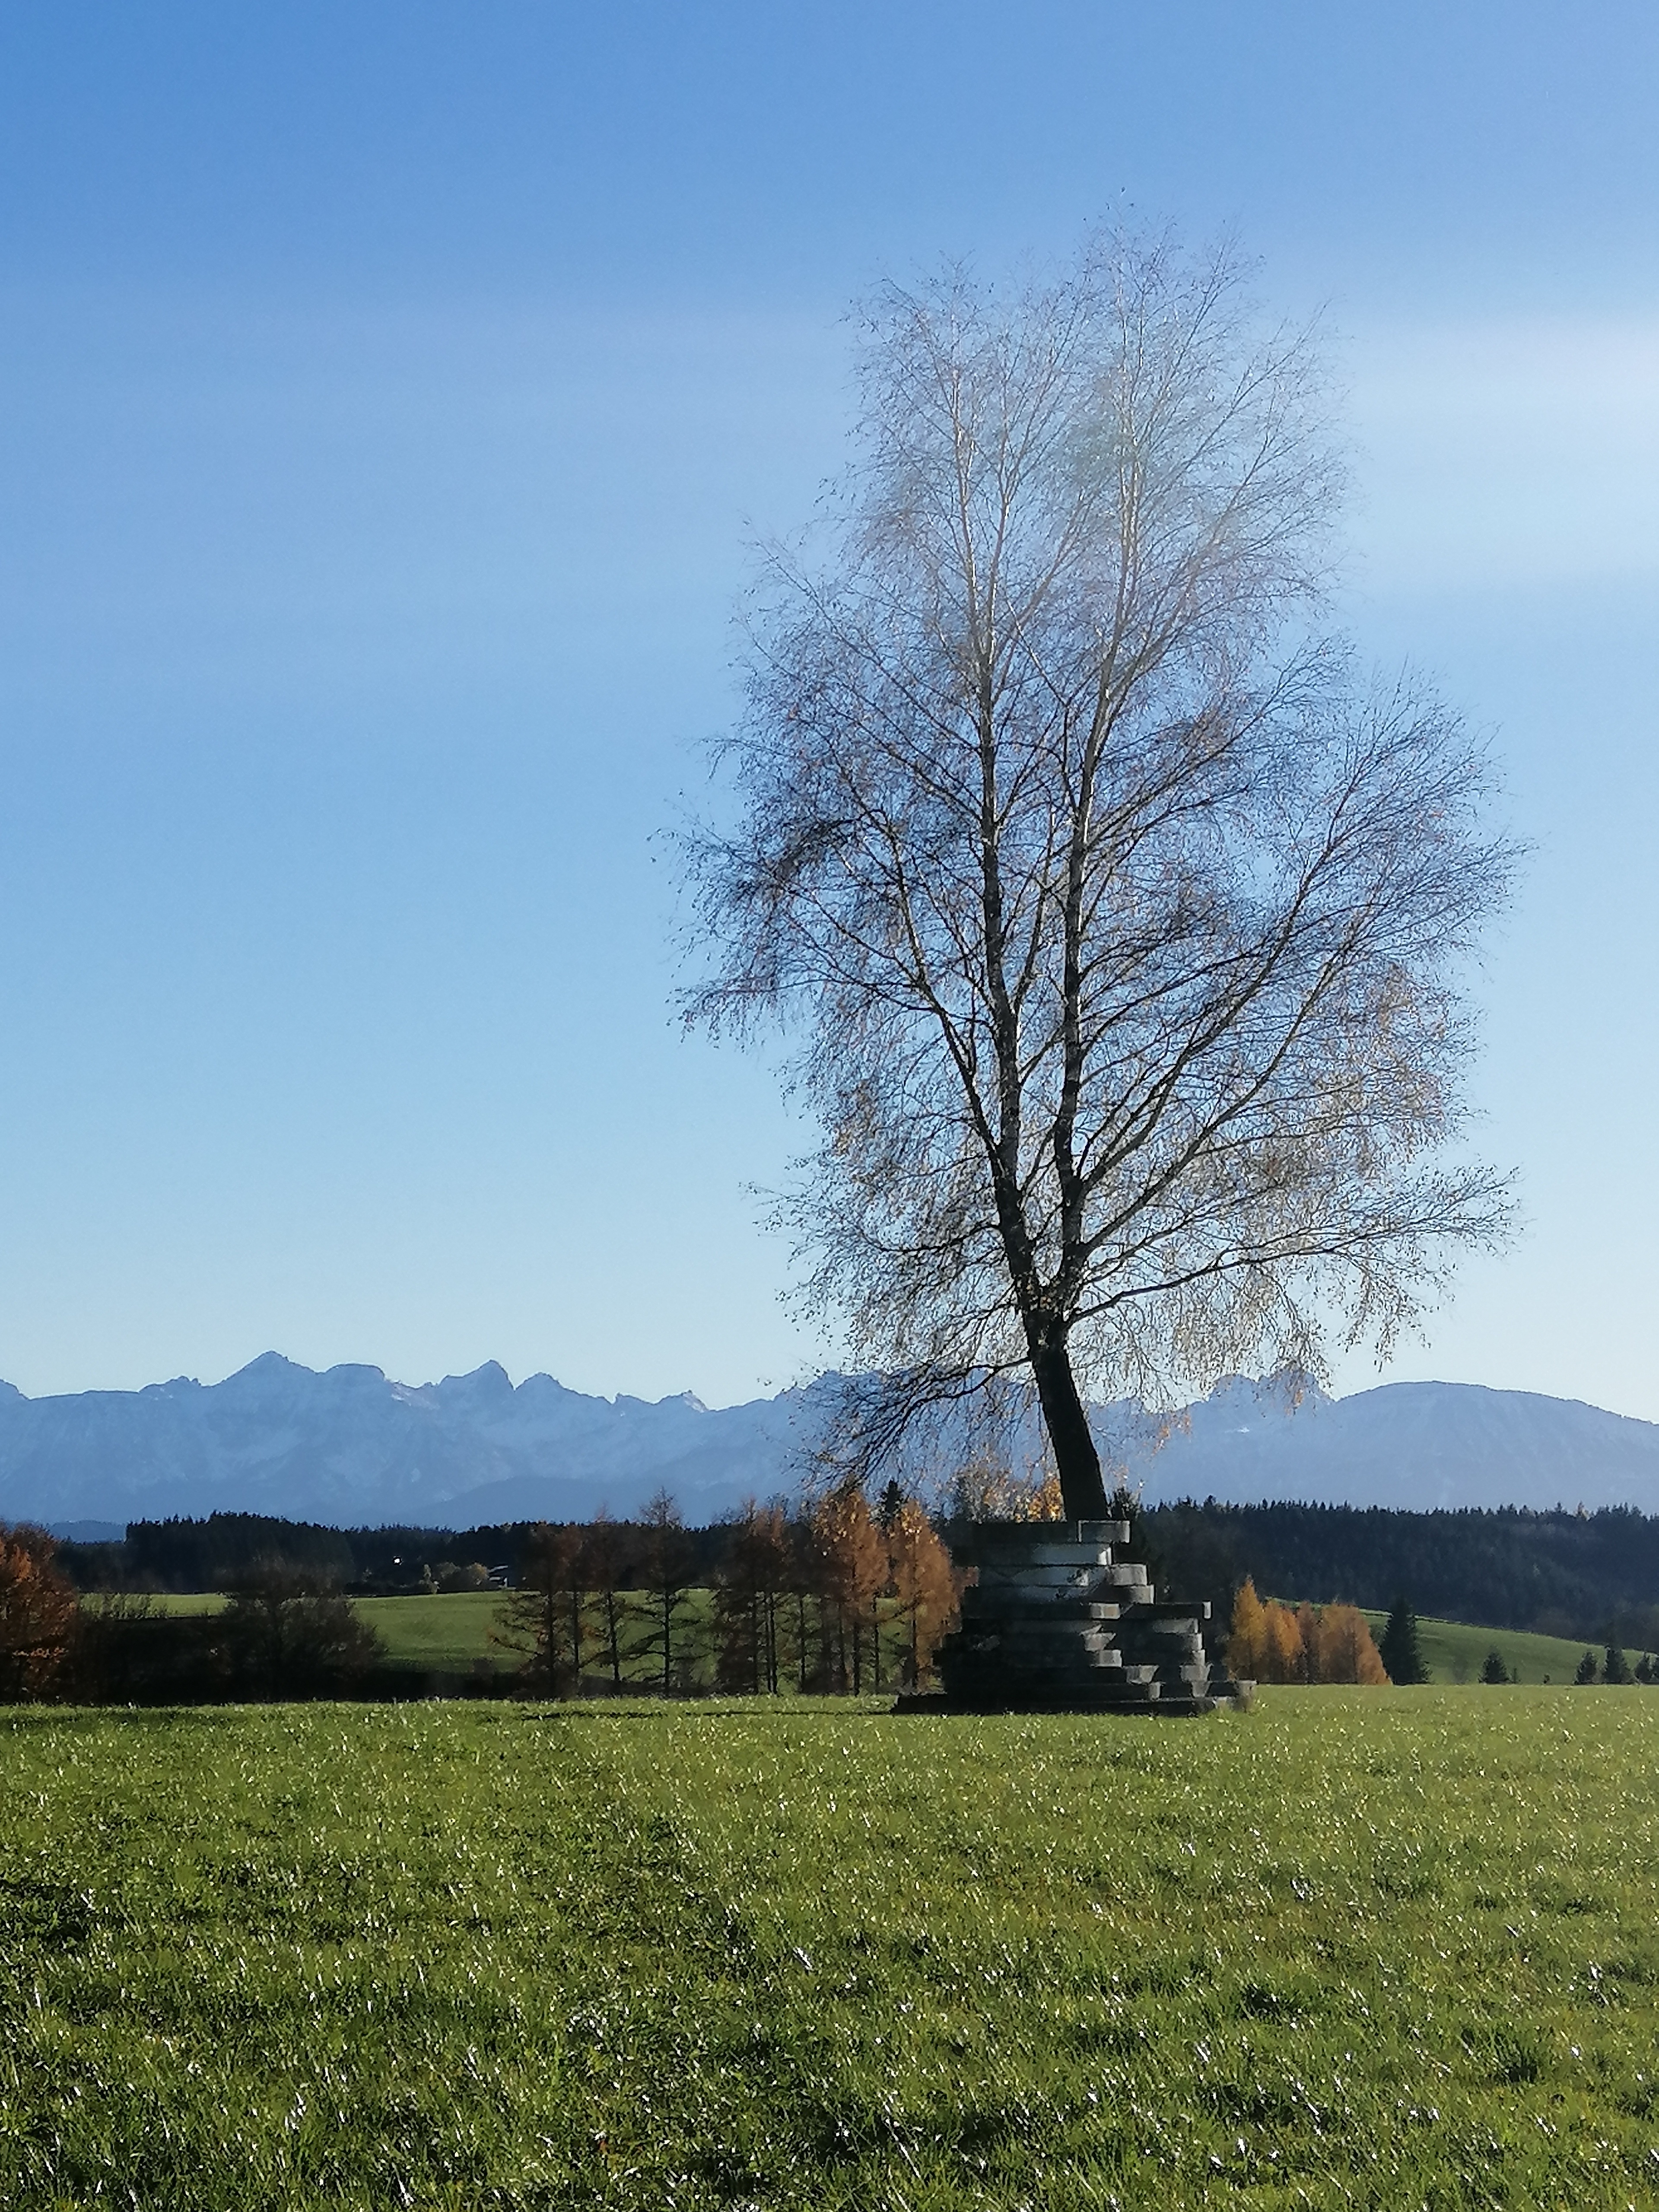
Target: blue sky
{"points": [[385, 395]]}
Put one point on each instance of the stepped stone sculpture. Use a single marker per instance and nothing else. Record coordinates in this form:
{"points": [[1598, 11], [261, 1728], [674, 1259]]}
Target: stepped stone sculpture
{"points": [[1054, 1625]]}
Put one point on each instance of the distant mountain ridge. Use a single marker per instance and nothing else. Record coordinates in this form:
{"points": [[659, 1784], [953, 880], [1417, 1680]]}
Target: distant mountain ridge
{"points": [[1418, 1446], [349, 1448]]}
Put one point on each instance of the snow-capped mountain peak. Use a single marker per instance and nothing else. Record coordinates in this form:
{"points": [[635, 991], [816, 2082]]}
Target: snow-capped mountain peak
{"points": [[351, 1448]]}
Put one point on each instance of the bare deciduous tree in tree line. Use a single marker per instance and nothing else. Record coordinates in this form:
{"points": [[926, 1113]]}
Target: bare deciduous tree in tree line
{"points": [[749, 1601], [802, 1601], [538, 1619], [1116, 922], [801, 1587], [286, 1633], [666, 1566], [603, 1567]]}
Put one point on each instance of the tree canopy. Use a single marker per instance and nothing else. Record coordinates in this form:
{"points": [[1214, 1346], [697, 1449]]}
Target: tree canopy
{"points": [[1114, 919]]}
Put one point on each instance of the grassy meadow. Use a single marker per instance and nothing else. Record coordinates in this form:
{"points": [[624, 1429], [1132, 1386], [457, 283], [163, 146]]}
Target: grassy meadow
{"points": [[1455, 1652], [1377, 1947], [450, 1633], [447, 1632]]}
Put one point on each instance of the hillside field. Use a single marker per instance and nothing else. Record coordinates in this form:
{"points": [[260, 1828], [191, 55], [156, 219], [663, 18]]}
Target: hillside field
{"points": [[450, 1633], [1454, 1651], [1381, 1948]]}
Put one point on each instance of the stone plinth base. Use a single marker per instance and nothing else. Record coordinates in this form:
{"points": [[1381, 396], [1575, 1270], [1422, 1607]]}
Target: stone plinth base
{"points": [[1052, 1624]]}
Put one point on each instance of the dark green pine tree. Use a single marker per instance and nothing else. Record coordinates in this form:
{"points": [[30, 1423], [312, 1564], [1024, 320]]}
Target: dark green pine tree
{"points": [[1400, 1650], [1616, 1668], [1587, 1670], [1494, 1670]]}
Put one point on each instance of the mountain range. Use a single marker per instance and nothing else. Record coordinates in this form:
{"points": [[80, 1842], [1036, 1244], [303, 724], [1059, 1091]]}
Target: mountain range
{"points": [[350, 1449]]}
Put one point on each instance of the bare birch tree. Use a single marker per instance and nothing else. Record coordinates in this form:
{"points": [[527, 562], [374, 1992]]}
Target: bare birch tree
{"points": [[1116, 924]]}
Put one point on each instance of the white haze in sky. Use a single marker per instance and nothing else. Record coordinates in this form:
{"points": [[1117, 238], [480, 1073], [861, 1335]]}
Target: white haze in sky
{"points": [[387, 395], [1497, 456]]}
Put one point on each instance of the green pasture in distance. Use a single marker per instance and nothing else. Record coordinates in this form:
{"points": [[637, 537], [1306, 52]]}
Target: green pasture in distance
{"points": [[452, 1632], [182, 1601], [1455, 1652], [445, 1632], [1383, 1948], [448, 1632]]}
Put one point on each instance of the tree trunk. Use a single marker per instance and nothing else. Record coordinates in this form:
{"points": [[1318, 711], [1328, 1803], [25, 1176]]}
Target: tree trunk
{"points": [[1082, 1487]]}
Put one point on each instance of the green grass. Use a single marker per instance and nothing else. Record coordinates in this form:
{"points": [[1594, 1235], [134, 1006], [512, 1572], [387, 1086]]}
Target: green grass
{"points": [[1379, 1948], [452, 1632], [1453, 1652], [447, 1633], [444, 1632], [184, 1602]]}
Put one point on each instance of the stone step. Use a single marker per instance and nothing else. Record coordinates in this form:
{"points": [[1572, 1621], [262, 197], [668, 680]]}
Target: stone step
{"points": [[1024, 1658], [1041, 1658], [1242, 1692], [981, 1536], [1040, 1609], [1065, 1580], [1051, 1635], [1005, 1560], [1052, 1623], [1037, 1576]]}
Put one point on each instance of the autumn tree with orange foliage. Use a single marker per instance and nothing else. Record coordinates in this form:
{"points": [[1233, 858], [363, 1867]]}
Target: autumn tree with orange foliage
{"points": [[1344, 1651], [1272, 1642], [40, 1612], [1265, 1642], [986, 1488], [852, 1565], [924, 1585]]}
